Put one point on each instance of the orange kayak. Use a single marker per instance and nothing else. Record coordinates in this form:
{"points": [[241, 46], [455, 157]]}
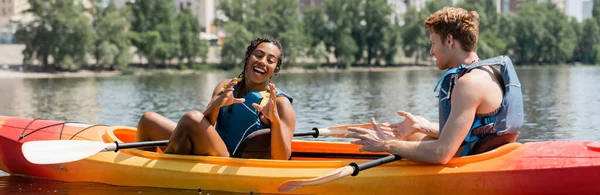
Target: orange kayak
{"points": [[553, 167]]}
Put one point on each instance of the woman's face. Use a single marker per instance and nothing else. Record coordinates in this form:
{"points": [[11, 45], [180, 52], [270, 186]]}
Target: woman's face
{"points": [[262, 63]]}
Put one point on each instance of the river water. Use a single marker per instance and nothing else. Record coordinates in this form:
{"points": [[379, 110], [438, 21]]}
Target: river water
{"points": [[561, 103]]}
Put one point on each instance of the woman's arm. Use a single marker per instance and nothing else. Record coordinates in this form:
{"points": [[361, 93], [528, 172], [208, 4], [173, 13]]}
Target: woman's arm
{"points": [[280, 113], [282, 130], [221, 98]]}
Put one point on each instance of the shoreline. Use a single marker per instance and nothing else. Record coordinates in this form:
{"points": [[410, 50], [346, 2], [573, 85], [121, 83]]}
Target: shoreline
{"points": [[10, 73]]}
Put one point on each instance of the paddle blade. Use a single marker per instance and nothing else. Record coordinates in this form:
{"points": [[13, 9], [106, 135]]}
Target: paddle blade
{"points": [[60, 151], [334, 175]]}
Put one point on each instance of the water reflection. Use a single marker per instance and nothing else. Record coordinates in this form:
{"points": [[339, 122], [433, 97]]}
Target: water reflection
{"points": [[16, 185], [561, 103]]}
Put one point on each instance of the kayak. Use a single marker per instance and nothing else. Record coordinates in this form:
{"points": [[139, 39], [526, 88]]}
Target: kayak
{"points": [[550, 167]]}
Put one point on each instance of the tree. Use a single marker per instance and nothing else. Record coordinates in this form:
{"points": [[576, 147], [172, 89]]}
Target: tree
{"points": [[278, 19], [339, 27], [378, 30], [61, 31], [155, 28], [542, 34], [578, 29], [113, 43], [596, 11], [191, 45], [233, 49], [314, 19], [590, 44], [414, 35]]}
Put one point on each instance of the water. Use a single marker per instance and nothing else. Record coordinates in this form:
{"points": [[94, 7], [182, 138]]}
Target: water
{"points": [[561, 103]]}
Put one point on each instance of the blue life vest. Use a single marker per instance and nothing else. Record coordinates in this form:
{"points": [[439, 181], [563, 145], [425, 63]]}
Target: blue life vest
{"points": [[237, 121], [510, 117]]}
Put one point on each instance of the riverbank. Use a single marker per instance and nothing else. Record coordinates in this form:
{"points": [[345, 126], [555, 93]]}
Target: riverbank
{"points": [[78, 74], [12, 73]]}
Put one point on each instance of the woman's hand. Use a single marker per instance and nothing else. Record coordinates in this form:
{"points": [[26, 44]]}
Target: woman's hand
{"points": [[226, 95], [372, 140], [409, 126], [269, 111]]}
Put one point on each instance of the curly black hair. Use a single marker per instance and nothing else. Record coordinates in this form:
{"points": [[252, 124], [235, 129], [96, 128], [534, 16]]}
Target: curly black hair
{"points": [[253, 44]]}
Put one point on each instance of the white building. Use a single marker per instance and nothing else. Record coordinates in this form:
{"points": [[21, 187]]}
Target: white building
{"points": [[11, 8], [580, 9]]}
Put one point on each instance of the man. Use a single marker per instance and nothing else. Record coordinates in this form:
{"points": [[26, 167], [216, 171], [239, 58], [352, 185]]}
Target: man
{"points": [[474, 103]]}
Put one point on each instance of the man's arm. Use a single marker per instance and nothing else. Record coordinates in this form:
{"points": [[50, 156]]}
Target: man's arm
{"points": [[465, 101]]}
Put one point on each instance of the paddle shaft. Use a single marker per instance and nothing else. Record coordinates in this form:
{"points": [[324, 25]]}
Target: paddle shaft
{"points": [[315, 134], [373, 163], [140, 144], [165, 142]]}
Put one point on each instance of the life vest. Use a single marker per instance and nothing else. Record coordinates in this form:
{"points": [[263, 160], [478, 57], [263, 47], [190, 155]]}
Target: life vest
{"points": [[509, 118], [237, 121]]}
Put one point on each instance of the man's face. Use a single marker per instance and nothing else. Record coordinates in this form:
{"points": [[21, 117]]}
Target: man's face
{"points": [[441, 50]]}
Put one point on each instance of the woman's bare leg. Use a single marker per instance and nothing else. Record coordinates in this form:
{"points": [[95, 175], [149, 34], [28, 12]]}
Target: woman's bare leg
{"points": [[195, 135], [153, 126]]}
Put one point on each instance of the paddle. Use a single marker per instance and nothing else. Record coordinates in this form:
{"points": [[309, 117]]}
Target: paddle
{"points": [[61, 151], [352, 169], [335, 131]]}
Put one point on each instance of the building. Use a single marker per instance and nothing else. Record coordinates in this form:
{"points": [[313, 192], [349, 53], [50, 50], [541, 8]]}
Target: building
{"points": [[11, 8], [12, 11], [580, 9]]}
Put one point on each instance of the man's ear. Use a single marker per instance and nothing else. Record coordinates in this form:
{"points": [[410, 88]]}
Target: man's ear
{"points": [[450, 40]]}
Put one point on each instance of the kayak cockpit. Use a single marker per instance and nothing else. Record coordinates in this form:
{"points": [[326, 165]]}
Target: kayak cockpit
{"points": [[328, 154]]}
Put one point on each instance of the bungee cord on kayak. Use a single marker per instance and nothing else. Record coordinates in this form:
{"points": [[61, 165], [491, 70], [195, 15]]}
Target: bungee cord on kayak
{"points": [[23, 135]]}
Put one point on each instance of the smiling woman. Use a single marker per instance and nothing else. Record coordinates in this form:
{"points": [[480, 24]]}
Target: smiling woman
{"points": [[242, 114]]}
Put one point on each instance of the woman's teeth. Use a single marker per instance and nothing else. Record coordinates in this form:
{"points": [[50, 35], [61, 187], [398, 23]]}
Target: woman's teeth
{"points": [[259, 71]]}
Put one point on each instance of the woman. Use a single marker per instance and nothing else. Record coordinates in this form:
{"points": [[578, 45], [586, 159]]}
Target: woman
{"points": [[238, 107]]}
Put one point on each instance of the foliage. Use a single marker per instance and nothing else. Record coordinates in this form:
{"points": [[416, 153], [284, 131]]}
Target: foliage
{"points": [[414, 35], [61, 32], [589, 46], [155, 26], [65, 33], [113, 43], [279, 19], [191, 45]]}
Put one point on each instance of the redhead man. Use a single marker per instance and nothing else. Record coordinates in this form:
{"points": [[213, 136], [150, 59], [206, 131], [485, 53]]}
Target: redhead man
{"points": [[480, 106]]}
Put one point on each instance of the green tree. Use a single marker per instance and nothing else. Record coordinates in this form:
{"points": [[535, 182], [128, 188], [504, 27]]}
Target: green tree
{"points": [[155, 26], [354, 16], [596, 11], [542, 34], [61, 32], [113, 43], [490, 26], [191, 45], [339, 27], [589, 44], [232, 52], [279, 19], [378, 32], [578, 29], [314, 26], [415, 37]]}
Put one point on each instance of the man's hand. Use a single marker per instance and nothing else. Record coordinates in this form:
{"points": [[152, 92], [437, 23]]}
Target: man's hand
{"points": [[409, 126], [372, 140]]}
